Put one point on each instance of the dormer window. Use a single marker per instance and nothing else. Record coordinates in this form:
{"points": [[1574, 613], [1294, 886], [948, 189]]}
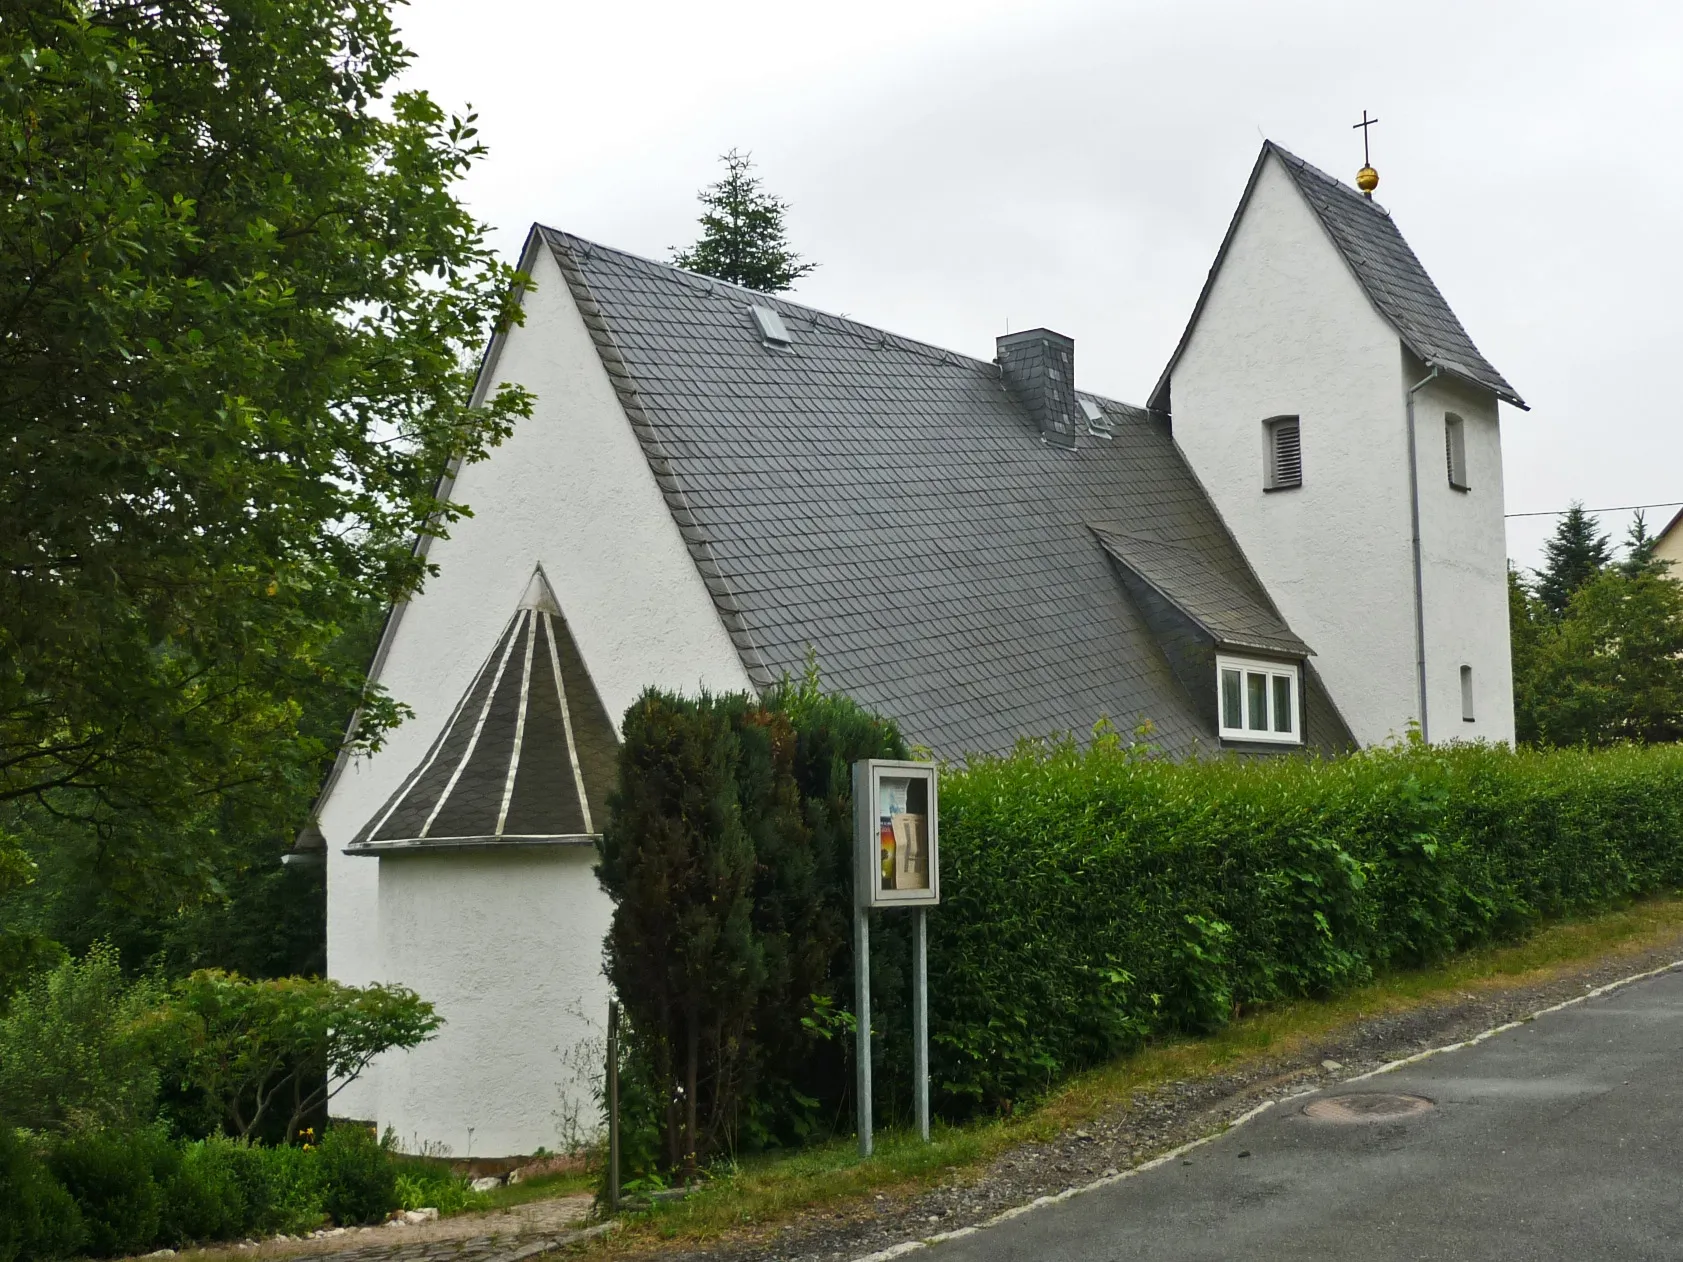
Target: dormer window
{"points": [[1282, 454], [1258, 700], [1455, 451]]}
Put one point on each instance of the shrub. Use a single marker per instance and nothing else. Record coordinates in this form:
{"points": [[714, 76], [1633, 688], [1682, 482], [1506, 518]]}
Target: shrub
{"points": [[357, 1176], [79, 1048], [227, 1188], [421, 1184], [118, 1183], [276, 1051], [285, 1190], [214, 1194], [38, 1218], [728, 856]]}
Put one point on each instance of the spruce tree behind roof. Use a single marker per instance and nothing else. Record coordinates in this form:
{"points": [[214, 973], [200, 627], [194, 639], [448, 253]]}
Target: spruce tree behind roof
{"points": [[742, 238]]}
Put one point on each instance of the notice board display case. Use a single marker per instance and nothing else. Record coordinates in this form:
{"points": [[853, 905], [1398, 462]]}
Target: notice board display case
{"points": [[896, 834]]}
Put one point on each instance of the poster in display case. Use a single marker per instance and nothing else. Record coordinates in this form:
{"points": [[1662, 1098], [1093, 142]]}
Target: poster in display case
{"points": [[897, 833]]}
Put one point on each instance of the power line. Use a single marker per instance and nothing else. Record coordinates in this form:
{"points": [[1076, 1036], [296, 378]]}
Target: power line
{"points": [[1619, 508]]}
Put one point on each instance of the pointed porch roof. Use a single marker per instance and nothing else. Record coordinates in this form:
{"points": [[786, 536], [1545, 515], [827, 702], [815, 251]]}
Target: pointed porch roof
{"points": [[527, 757]]}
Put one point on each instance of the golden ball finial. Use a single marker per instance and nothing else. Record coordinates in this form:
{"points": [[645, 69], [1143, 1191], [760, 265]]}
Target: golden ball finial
{"points": [[1367, 179]]}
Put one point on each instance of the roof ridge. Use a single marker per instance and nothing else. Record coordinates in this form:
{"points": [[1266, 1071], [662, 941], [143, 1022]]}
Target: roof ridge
{"points": [[841, 323], [1303, 164]]}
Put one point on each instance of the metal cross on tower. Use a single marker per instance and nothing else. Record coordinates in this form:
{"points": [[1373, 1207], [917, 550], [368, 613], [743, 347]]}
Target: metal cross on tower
{"points": [[1367, 179], [1364, 125]]}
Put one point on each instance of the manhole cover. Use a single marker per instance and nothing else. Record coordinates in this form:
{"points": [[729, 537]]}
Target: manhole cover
{"points": [[1376, 1106]]}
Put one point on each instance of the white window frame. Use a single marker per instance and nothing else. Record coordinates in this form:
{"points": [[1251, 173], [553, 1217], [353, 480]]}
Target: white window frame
{"points": [[1270, 671]]}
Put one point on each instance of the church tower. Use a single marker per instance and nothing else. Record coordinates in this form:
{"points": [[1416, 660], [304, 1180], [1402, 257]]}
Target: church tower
{"points": [[1347, 429]]}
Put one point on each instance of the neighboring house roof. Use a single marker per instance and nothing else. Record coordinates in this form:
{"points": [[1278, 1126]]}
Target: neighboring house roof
{"points": [[1385, 267], [527, 757], [891, 505], [1677, 519], [1668, 545]]}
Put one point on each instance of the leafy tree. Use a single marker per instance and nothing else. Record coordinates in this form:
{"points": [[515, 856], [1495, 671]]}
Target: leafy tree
{"points": [[79, 1049], [742, 236], [1528, 622], [282, 1049], [238, 298], [1611, 668], [1575, 555], [23, 948]]}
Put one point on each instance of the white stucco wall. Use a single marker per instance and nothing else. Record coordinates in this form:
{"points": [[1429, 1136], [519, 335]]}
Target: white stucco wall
{"points": [[509, 948], [570, 489], [1286, 330], [1464, 563]]}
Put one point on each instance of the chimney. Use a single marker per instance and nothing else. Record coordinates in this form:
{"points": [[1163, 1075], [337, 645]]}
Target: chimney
{"points": [[1038, 367]]}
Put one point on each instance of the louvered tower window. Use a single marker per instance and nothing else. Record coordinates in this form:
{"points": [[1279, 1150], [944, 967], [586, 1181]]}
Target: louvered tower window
{"points": [[1455, 451], [1283, 454]]}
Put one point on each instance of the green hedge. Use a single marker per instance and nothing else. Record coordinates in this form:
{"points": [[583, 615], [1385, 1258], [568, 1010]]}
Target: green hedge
{"points": [[1094, 896], [108, 1193]]}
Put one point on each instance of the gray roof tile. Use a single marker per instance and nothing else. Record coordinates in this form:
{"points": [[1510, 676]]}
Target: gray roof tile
{"points": [[891, 505], [1224, 598]]}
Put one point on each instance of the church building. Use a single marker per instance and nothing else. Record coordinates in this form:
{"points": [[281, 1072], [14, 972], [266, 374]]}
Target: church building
{"points": [[1296, 542]]}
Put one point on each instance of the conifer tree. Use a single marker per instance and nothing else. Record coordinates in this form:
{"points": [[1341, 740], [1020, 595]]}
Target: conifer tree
{"points": [[1639, 550], [1576, 554], [742, 236]]}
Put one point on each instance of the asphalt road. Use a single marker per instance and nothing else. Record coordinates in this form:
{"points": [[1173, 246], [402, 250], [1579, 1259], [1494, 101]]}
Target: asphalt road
{"points": [[1560, 1139]]}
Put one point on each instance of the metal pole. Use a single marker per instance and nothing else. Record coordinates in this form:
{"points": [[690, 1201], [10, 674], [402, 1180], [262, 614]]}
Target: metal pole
{"points": [[920, 1016], [862, 1042], [1419, 571], [613, 1107]]}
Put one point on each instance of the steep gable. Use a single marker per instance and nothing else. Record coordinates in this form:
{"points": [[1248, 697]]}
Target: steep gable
{"points": [[1383, 264]]}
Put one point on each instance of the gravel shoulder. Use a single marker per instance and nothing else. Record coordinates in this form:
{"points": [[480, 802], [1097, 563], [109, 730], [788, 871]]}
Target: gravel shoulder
{"points": [[464, 1238], [1153, 1122]]}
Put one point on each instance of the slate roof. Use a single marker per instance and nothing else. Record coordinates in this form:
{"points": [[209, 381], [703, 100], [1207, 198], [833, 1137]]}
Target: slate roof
{"points": [[527, 757], [893, 506], [1210, 586], [1385, 267]]}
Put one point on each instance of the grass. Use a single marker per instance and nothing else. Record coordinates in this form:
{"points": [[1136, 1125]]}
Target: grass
{"points": [[763, 1191], [544, 1187]]}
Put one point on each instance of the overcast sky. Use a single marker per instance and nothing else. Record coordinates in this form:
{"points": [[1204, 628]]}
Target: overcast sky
{"points": [[960, 167]]}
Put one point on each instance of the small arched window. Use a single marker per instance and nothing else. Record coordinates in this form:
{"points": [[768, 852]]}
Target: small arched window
{"points": [[1455, 451]]}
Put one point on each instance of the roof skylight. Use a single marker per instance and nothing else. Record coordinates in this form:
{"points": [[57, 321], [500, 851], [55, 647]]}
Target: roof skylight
{"points": [[772, 328], [1098, 420]]}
